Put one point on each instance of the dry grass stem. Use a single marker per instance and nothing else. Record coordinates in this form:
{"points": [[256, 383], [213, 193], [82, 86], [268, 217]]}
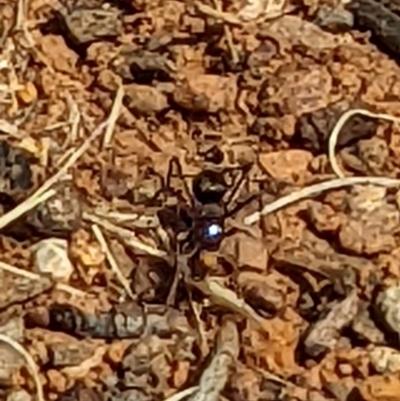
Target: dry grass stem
{"points": [[317, 189], [228, 299], [181, 395], [222, 16], [64, 157], [21, 12], [111, 260], [22, 24], [37, 277], [29, 362], [127, 236], [133, 219], [215, 376], [74, 120], [272, 377], [73, 159], [114, 115], [55, 126], [9, 129], [228, 35], [41, 195], [333, 138], [24, 207], [6, 88], [196, 309], [13, 82]]}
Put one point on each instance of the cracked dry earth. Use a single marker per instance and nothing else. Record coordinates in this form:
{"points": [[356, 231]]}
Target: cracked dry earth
{"points": [[301, 305]]}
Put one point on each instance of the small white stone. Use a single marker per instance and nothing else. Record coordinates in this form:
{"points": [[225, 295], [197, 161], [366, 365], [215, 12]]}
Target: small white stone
{"points": [[388, 304], [51, 258], [385, 359], [19, 395]]}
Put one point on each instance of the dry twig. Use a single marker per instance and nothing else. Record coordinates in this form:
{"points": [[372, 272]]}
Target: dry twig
{"points": [[131, 219], [127, 236], [333, 138], [218, 15], [181, 395], [29, 362], [215, 376], [111, 260], [228, 35], [73, 159], [37, 277], [21, 12], [24, 207], [317, 189], [9, 129], [114, 115], [74, 120], [226, 298]]}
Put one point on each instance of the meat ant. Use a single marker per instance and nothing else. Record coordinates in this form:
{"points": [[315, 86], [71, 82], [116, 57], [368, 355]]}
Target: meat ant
{"points": [[200, 225], [211, 202]]}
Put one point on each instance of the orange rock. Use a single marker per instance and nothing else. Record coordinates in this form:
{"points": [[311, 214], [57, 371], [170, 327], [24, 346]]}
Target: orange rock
{"points": [[57, 381], [287, 164], [58, 54], [27, 94], [380, 388]]}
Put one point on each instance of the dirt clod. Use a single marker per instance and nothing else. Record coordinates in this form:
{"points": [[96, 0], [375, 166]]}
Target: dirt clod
{"points": [[386, 305], [87, 25], [61, 215], [16, 173], [324, 334], [145, 100], [205, 93]]}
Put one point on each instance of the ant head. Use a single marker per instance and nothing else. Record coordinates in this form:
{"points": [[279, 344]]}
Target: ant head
{"points": [[209, 186]]}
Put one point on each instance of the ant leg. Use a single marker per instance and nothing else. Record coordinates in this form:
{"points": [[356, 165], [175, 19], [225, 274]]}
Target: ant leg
{"points": [[181, 271], [241, 205], [238, 186], [175, 163], [166, 182]]}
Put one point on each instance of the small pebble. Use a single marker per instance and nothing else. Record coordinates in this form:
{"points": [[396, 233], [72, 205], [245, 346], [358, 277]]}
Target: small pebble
{"points": [[388, 308], [334, 19], [69, 353], [345, 369], [87, 25], [14, 328], [56, 380], [144, 99], [59, 216], [19, 395], [51, 257], [385, 359]]}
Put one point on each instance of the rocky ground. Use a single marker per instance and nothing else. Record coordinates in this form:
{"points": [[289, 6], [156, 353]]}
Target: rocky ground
{"points": [[110, 111]]}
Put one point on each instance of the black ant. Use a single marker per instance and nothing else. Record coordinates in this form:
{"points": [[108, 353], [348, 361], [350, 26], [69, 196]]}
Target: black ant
{"points": [[211, 202], [199, 225]]}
